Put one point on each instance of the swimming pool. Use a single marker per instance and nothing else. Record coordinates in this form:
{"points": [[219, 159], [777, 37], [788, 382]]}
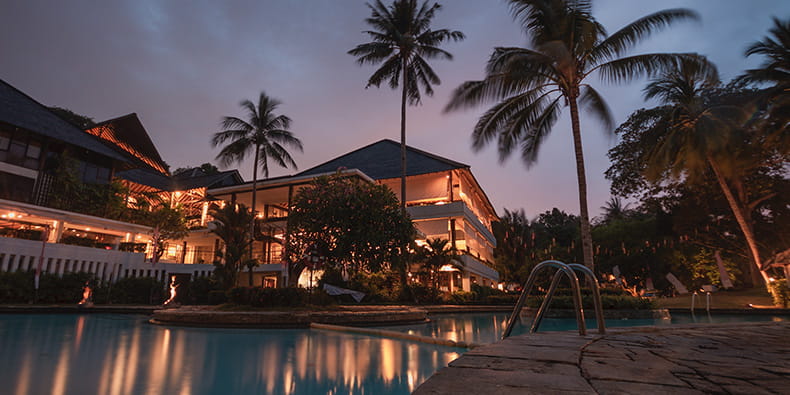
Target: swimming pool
{"points": [[123, 354]]}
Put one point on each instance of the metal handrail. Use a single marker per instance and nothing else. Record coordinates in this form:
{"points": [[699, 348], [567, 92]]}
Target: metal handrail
{"points": [[577, 299], [596, 294], [569, 270]]}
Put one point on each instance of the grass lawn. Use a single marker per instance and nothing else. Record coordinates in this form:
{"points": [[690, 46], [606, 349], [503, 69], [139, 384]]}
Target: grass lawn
{"points": [[721, 299]]}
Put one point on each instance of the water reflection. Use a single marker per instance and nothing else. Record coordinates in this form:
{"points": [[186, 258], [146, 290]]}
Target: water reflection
{"points": [[114, 354]]}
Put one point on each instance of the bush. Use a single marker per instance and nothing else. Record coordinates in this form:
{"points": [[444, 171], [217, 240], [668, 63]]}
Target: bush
{"points": [[277, 297], [780, 293], [17, 287], [423, 294], [217, 297], [199, 290], [132, 290]]}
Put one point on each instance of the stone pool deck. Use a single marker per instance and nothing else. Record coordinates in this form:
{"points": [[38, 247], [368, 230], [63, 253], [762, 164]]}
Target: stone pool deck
{"points": [[732, 358]]}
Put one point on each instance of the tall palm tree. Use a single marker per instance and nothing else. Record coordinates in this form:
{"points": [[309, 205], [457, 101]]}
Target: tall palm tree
{"points": [[264, 133], [695, 132], [775, 71], [533, 84], [230, 225], [614, 209], [402, 40]]}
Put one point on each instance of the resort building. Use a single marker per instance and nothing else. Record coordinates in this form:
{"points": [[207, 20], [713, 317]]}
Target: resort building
{"points": [[443, 198]]}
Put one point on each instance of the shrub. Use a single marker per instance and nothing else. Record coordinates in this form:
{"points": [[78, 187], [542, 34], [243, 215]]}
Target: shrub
{"points": [[608, 302], [135, 290], [780, 293], [277, 297], [199, 290], [423, 294]]}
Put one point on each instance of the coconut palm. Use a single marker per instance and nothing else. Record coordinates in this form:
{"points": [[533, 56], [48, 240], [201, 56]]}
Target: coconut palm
{"points": [[774, 71], [230, 224], [435, 254], [262, 132], [697, 131], [403, 41], [533, 84], [614, 210]]}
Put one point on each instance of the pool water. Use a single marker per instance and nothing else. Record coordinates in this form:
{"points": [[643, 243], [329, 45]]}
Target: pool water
{"points": [[484, 328], [123, 354]]}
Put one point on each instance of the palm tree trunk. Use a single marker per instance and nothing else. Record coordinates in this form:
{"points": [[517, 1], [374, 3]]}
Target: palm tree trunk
{"points": [[745, 226], [403, 139], [586, 233], [252, 209]]}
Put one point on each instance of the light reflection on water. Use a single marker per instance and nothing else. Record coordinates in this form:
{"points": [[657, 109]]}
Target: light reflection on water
{"points": [[121, 354]]}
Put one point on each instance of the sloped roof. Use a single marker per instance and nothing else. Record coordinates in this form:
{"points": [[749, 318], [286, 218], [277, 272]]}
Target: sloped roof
{"points": [[381, 160], [128, 134], [19, 109], [191, 180], [180, 182]]}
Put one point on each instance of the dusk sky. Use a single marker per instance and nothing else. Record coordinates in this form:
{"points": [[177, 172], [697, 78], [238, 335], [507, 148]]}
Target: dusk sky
{"points": [[182, 65]]}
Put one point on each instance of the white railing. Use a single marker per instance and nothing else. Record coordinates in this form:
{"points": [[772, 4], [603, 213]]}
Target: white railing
{"points": [[106, 265]]}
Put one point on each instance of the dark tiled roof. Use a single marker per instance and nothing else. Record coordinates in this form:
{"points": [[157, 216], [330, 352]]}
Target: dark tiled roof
{"points": [[181, 182], [19, 109], [127, 133], [381, 160], [190, 180], [147, 176]]}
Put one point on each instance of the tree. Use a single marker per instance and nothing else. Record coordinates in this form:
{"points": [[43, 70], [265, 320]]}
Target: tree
{"points": [[435, 254], [775, 71], [357, 225], [167, 223], [81, 121], [204, 169], [614, 210], [702, 128], [265, 134], [568, 45], [403, 41], [231, 225], [513, 233]]}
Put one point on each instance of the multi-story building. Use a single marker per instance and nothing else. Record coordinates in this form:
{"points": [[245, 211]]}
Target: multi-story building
{"points": [[443, 198]]}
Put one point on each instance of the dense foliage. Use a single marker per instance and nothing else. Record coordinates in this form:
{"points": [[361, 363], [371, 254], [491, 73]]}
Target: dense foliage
{"points": [[357, 226]]}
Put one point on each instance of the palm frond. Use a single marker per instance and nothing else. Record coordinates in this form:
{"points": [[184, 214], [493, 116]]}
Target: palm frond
{"points": [[647, 65], [624, 39], [590, 99]]}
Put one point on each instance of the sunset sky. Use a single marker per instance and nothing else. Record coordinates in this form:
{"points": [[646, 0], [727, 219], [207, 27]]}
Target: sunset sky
{"points": [[182, 65]]}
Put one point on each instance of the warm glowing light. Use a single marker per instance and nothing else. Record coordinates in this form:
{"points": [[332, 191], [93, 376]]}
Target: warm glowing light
{"points": [[173, 287], [88, 229], [448, 268]]}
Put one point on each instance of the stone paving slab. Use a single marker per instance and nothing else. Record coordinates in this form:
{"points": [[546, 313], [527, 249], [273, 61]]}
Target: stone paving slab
{"points": [[731, 358]]}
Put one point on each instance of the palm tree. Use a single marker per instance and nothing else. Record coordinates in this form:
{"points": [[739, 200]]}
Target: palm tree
{"points": [[697, 131], [264, 133], [533, 84], [614, 210], [435, 254], [402, 40], [775, 70], [230, 224]]}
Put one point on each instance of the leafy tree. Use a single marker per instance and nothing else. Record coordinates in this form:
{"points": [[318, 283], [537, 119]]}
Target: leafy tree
{"points": [[81, 121], [262, 132], [700, 129], [231, 225], [167, 223], [533, 84], [357, 225], [403, 41], [435, 254], [513, 233], [205, 168], [774, 71], [614, 210]]}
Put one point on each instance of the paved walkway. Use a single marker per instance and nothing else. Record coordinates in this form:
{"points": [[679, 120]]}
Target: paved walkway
{"points": [[737, 358]]}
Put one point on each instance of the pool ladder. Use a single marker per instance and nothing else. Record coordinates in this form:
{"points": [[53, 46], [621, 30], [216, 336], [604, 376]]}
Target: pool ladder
{"points": [[569, 271]]}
